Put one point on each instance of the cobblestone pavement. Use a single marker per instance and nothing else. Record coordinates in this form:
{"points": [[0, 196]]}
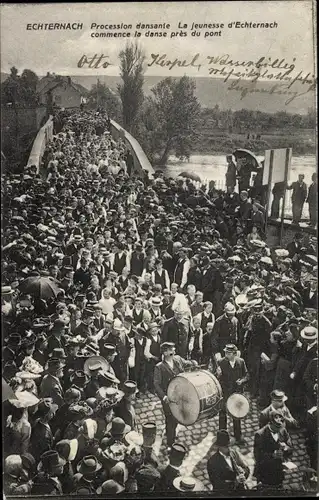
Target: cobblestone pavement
{"points": [[198, 439]]}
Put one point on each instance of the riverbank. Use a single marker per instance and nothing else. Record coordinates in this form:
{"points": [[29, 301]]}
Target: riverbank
{"points": [[219, 143]]}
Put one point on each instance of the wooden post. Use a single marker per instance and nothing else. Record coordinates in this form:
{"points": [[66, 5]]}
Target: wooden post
{"points": [[271, 165], [288, 151]]}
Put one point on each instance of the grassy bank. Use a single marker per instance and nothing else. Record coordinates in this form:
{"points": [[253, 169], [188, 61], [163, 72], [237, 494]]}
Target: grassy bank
{"points": [[212, 141]]}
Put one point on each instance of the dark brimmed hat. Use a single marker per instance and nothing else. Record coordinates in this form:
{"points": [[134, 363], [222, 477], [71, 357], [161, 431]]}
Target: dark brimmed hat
{"points": [[45, 407], [58, 353], [177, 454], [130, 387], [146, 477], [110, 487], [118, 427], [79, 378], [50, 460], [222, 438], [55, 364], [89, 465], [279, 396]]}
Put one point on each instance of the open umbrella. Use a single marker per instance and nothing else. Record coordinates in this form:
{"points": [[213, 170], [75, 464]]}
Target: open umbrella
{"points": [[39, 286], [251, 160], [7, 392], [190, 175]]}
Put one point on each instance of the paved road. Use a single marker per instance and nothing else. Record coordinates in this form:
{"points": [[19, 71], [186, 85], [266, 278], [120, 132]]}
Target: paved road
{"points": [[198, 439]]}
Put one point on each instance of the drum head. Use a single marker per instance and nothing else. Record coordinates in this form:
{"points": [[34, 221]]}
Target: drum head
{"points": [[237, 405], [183, 400]]}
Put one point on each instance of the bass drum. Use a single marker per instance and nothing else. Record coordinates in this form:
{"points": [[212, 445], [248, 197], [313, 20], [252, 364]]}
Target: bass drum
{"points": [[194, 396]]}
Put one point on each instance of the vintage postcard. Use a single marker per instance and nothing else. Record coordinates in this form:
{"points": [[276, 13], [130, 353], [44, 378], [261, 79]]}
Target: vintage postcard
{"points": [[159, 248]]}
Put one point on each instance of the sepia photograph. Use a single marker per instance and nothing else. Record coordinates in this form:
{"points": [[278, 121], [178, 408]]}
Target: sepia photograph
{"points": [[159, 266]]}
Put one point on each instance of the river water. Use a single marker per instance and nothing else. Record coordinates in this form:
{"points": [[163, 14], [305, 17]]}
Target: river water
{"points": [[213, 167]]}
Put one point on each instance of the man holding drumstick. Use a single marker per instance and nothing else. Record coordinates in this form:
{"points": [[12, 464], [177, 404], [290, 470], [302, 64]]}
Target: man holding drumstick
{"points": [[232, 374], [170, 366]]}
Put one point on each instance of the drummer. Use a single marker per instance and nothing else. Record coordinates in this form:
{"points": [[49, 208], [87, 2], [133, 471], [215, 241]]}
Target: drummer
{"points": [[233, 374], [170, 366]]}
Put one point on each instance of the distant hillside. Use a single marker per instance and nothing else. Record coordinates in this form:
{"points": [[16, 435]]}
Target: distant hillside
{"points": [[212, 91]]}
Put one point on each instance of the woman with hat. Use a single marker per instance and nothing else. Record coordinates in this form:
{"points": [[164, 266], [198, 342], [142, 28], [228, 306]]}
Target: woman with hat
{"points": [[17, 432], [227, 468]]}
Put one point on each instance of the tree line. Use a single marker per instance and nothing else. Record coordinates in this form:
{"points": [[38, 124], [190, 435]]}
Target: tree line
{"points": [[170, 120]]}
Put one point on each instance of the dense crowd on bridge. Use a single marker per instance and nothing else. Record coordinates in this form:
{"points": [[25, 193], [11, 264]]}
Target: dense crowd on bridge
{"points": [[113, 282]]}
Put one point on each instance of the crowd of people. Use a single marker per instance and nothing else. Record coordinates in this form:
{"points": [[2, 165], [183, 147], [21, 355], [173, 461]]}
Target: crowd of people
{"points": [[115, 281]]}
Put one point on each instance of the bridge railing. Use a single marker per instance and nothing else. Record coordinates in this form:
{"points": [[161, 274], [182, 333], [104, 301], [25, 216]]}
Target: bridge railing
{"points": [[141, 162], [44, 136]]}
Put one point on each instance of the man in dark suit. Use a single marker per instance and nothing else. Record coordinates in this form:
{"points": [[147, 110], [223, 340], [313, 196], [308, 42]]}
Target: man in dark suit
{"points": [[272, 446], [233, 374], [171, 471], [41, 436], [309, 338], [278, 399], [51, 386], [212, 283], [177, 330], [164, 372], [312, 200], [294, 247], [298, 198], [310, 294], [227, 468]]}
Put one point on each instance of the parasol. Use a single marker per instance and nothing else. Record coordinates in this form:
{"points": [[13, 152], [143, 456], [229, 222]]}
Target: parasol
{"points": [[39, 286], [251, 160], [190, 175], [7, 392]]}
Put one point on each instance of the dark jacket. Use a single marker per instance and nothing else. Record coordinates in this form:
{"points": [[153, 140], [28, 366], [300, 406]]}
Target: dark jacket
{"points": [[225, 331], [222, 477], [230, 375], [163, 374], [125, 410], [269, 470], [177, 332], [51, 388], [41, 439]]}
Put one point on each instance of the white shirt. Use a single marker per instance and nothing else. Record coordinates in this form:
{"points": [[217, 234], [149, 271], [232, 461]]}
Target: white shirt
{"points": [[227, 459], [311, 345], [232, 363], [275, 436]]}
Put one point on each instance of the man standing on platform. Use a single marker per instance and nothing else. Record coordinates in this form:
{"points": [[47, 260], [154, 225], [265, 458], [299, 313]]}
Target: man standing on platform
{"points": [[164, 372], [298, 198]]}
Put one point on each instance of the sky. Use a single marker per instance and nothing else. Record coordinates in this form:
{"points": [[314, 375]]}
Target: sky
{"points": [[60, 51]]}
